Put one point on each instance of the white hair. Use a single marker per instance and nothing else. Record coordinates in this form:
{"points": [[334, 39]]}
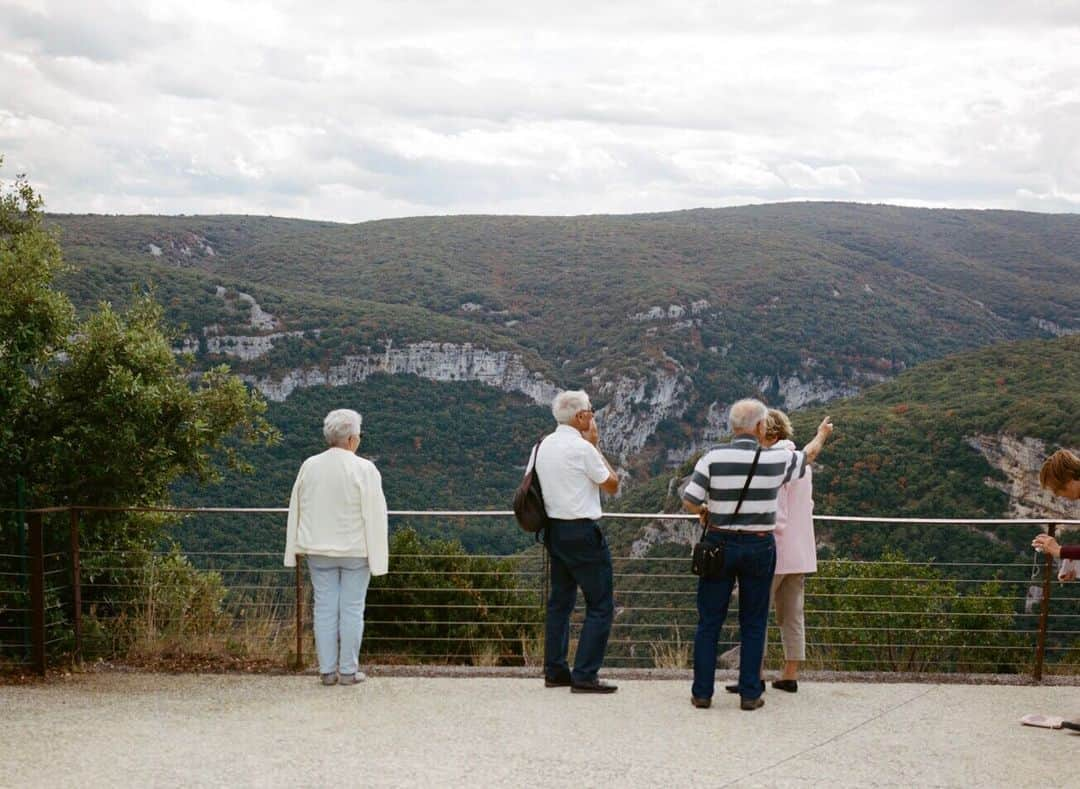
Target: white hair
{"points": [[745, 414], [567, 404], [340, 425]]}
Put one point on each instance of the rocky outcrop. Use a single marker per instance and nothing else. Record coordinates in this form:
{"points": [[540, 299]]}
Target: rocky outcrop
{"points": [[1020, 459], [662, 531], [431, 360], [246, 347], [1053, 328], [711, 434], [637, 405], [678, 531], [182, 249], [794, 392], [258, 319], [671, 312]]}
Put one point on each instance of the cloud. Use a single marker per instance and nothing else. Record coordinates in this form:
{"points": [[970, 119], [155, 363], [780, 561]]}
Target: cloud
{"points": [[353, 111]]}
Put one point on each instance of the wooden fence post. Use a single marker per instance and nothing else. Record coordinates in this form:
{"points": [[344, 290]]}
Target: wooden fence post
{"points": [[299, 615], [76, 584]]}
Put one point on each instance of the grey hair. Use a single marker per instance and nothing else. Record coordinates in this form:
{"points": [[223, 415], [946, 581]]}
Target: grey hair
{"points": [[340, 425], [566, 405], [745, 414]]}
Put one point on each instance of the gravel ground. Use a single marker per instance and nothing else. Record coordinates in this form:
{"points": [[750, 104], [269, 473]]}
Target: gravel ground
{"points": [[131, 729]]}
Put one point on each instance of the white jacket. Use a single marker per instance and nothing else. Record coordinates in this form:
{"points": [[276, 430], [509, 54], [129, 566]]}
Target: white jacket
{"points": [[337, 508]]}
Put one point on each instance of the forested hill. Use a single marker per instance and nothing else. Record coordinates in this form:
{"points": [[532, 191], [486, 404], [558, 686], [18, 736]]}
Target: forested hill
{"points": [[963, 436], [667, 318]]}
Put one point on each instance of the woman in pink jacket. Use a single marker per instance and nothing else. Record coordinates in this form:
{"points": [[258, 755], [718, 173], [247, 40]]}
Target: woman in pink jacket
{"points": [[796, 555]]}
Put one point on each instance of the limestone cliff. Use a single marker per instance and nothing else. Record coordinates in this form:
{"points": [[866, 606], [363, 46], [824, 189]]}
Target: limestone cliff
{"points": [[432, 360], [1020, 459], [636, 406]]}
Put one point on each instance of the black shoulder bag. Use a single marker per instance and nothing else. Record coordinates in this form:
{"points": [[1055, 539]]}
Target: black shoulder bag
{"points": [[707, 561], [529, 499]]}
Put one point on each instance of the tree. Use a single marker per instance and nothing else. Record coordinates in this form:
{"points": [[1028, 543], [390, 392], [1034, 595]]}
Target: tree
{"points": [[441, 603], [895, 615], [34, 319], [102, 411]]}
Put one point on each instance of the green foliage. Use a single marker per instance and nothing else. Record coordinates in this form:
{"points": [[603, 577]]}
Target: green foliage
{"points": [[100, 411], [34, 319], [895, 615], [823, 289], [905, 448], [445, 605], [464, 449]]}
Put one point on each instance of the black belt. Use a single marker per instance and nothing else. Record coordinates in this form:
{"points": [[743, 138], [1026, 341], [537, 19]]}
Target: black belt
{"points": [[755, 532]]}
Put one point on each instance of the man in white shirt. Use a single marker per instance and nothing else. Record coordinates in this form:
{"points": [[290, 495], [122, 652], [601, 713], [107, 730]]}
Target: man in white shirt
{"points": [[572, 473]]}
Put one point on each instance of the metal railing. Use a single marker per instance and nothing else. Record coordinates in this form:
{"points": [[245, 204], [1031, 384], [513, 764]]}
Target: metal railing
{"points": [[488, 609]]}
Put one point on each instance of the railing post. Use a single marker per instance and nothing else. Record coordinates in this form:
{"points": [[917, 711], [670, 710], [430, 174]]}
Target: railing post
{"points": [[24, 570], [299, 614], [76, 584], [37, 591], [545, 578], [1044, 610]]}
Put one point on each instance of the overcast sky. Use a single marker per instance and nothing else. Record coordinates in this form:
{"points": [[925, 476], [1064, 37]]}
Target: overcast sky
{"points": [[362, 110]]}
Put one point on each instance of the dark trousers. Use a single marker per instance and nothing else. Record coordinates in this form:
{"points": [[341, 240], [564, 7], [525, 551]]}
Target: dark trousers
{"points": [[579, 557], [749, 559]]}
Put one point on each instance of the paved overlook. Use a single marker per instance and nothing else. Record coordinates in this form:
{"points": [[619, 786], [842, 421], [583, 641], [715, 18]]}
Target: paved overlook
{"points": [[112, 730]]}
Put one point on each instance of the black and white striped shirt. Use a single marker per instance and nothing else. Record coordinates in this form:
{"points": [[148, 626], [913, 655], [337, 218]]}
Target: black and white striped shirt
{"points": [[721, 473]]}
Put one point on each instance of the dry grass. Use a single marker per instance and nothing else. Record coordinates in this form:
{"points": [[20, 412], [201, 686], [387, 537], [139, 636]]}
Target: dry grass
{"points": [[260, 628], [671, 654], [486, 654]]}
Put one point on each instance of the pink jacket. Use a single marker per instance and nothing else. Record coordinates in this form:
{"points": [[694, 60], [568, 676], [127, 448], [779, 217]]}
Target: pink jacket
{"points": [[796, 550]]}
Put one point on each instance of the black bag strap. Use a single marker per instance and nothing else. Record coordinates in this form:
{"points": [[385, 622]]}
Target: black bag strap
{"points": [[535, 453], [745, 487], [541, 534]]}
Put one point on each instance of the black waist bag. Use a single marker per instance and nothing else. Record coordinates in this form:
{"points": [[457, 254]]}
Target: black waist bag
{"points": [[707, 561]]}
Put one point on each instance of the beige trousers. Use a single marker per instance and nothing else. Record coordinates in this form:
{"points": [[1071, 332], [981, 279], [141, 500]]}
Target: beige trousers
{"points": [[788, 596]]}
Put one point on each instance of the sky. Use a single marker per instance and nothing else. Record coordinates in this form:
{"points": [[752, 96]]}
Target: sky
{"points": [[365, 110]]}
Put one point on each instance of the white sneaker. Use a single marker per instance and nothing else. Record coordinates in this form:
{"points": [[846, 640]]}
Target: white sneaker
{"points": [[352, 679], [329, 679]]}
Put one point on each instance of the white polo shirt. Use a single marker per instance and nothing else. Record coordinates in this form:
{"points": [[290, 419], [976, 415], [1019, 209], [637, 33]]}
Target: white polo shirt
{"points": [[570, 470]]}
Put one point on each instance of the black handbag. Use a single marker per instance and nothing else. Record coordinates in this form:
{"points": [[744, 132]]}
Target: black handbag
{"points": [[529, 499], [707, 561]]}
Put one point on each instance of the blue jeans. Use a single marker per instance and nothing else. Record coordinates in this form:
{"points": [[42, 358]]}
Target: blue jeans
{"points": [[340, 586], [579, 557], [750, 559]]}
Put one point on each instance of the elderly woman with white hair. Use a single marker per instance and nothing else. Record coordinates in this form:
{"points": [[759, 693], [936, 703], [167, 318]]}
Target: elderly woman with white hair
{"points": [[337, 518]]}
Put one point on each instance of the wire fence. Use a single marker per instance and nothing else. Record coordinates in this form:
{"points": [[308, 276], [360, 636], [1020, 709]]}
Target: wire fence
{"points": [[442, 605]]}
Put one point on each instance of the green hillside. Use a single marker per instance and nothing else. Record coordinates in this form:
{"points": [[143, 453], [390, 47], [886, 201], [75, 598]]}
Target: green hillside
{"points": [[902, 449], [795, 302], [463, 449], [833, 295]]}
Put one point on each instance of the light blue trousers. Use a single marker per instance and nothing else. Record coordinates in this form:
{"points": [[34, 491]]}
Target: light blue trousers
{"points": [[340, 586]]}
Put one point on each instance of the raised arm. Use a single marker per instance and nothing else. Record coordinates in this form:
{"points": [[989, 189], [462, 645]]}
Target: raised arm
{"points": [[813, 449]]}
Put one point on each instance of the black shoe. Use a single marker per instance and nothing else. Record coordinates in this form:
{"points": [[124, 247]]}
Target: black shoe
{"points": [[790, 685], [735, 688], [751, 704], [557, 682], [596, 686], [701, 704]]}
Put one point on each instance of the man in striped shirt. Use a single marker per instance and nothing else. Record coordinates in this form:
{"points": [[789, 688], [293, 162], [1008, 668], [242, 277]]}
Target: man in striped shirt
{"points": [[746, 532]]}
